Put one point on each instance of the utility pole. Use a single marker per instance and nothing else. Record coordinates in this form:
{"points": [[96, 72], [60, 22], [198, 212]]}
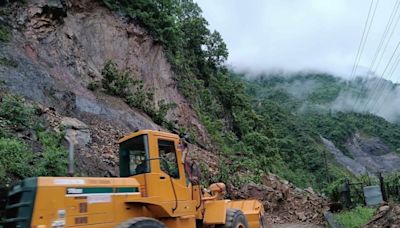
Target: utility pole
{"points": [[326, 167], [382, 185]]}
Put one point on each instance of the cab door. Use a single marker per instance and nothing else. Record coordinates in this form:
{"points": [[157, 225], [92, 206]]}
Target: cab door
{"points": [[173, 176]]}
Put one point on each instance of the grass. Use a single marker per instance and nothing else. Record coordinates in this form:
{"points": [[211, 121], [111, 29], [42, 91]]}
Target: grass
{"points": [[356, 217]]}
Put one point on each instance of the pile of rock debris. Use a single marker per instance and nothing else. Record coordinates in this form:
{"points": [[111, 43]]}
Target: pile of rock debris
{"points": [[283, 202], [385, 216]]}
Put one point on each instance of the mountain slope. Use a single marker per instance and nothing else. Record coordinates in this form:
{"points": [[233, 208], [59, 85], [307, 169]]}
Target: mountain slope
{"points": [[60, 55], [313, 100], [54, 53]]}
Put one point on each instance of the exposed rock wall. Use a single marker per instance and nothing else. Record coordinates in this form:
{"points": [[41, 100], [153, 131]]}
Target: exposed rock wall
{"points": [[368, 155], [61, 46], [60, 51], [373, 154], [350, 164]]}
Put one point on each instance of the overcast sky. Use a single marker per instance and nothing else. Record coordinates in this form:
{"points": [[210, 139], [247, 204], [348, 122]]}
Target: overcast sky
{"points": [[298, 35]]}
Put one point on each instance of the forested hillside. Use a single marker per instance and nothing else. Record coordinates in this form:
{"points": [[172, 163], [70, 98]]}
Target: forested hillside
{"points": [[315, 98], [304, 107]]}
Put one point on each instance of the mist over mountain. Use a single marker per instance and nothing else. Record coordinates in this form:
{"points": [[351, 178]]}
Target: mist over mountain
{"points": [[347, 118], [327, 93], [376, 96]]}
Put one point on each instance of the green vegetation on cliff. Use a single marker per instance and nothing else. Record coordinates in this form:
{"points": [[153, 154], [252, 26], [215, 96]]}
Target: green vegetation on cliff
{"points": [[20, 154], [196, 54], [121, 84]]}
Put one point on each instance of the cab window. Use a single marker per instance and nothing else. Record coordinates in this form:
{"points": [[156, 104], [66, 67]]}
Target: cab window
{"points": [[134, 157], [168, 161]]}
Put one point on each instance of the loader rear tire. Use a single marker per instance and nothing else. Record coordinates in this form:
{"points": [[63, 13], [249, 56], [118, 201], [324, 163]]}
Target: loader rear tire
{"points": [[142, 222], [234, 219]]}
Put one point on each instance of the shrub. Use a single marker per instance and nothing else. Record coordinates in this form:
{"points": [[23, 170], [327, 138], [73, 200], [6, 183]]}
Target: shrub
{"points": [[121, 84], [161, 112], [93, 86], [15, 109], [53, 160], [141, 98], [15, 160], [115, 82]]}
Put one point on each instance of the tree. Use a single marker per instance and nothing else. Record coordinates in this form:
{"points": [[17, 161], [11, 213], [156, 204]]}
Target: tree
{"points": [[216, 51]]}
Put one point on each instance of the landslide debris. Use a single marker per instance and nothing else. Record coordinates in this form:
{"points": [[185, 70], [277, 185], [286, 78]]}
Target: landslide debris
{"points": [[385, 216], [96, 147], [283, 202]]}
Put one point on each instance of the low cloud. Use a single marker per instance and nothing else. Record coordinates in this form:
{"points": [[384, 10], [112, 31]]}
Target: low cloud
{"points": [[379, 97], [299, 35]]}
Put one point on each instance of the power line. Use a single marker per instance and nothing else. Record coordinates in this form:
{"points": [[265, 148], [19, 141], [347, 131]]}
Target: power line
{"points": [[394, 66], [363, 41], [381, 82], [388, 26], [390, 75], [381, 43], [381, 77], [364, 37], [386, 45]]}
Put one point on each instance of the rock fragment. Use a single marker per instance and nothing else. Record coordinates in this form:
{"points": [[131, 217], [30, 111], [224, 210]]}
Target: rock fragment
{"points": [[76, 130]]}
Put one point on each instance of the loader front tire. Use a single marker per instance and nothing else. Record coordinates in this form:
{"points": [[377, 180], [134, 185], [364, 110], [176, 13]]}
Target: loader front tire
{"points": [[234, 219], [142, 222]]}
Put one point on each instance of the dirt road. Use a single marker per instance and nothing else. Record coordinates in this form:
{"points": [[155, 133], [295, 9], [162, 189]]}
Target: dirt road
{"points": [[294, 225]]}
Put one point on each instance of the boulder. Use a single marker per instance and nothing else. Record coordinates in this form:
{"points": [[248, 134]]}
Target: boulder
{"points": [[76, 130]]}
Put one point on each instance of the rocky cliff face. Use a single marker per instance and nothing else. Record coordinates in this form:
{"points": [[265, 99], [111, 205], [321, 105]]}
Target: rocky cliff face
{"points": [[350, 164], [369, 154], [373, 154], [58, 47]]}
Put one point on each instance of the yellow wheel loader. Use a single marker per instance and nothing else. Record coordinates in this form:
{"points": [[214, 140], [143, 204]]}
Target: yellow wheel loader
{"points": [[154, 190]]}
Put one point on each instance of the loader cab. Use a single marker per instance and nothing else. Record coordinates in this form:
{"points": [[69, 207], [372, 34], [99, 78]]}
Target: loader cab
{"points": [[134, 156], [154, 159], [150, 152]]}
